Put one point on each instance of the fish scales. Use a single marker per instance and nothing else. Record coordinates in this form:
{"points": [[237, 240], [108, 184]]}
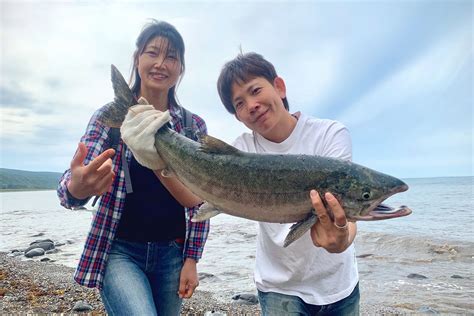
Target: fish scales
{"points": [[223, 180], [272, 188]]}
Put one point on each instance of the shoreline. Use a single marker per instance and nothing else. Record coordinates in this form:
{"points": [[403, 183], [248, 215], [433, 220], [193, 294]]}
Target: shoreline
{"points": [[28, 286]]}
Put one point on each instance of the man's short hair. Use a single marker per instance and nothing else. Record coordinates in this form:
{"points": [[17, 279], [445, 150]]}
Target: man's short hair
{"points": [[240, 70]]}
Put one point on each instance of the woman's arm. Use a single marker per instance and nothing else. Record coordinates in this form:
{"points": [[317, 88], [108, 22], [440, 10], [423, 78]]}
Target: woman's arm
{"points": [[181, 193]]}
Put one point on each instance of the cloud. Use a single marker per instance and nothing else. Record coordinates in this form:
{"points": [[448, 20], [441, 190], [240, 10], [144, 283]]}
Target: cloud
{"points": [[14, 98], [426, 76], [393, 72]]}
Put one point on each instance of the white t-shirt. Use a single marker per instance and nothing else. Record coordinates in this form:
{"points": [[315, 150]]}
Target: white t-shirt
{"points": [[311, 273]]}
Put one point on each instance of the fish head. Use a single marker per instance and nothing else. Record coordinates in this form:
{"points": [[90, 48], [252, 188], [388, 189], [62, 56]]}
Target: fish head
{"points": [[365, 190]]}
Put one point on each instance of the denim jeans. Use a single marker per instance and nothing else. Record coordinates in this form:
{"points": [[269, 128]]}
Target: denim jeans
{"points": [[143, 278], [275, 304]]}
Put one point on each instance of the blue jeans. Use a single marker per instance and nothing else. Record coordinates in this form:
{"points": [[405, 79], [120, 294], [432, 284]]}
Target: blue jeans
{"points": [[143, 278], [274, 304]]}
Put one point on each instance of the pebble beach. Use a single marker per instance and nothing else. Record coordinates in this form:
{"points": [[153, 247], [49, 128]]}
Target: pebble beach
{"points": [[35, 287]]}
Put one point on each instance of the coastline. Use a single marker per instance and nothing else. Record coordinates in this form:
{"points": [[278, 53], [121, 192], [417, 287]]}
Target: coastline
{"points": [[44, 287]]}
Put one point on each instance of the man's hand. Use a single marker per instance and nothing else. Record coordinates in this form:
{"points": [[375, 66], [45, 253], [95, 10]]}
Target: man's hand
{"points": [[93, 179], [138, 131], [334, 235], [188, 279]]}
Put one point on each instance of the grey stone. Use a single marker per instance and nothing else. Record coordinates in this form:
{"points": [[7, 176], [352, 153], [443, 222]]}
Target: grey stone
{"points": [[81, 306], [365, 255], [416, 276], [34, 252], [41, 240], [427, 310], [246, 299], [46, 244], [214, 313], [207, 276]]}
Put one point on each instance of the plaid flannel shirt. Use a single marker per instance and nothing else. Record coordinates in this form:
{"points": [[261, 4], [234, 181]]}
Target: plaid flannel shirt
{"points": [[91, 267]]}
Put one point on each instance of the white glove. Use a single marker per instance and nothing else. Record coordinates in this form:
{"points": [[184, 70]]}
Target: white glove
{"points": [[138, 131]]}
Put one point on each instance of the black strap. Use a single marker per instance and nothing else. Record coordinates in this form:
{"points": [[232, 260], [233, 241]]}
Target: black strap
{"points": [[187, 123], [114, 138]]}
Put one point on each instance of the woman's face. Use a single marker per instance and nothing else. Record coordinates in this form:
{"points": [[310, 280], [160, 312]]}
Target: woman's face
{"points": [[159, 66]]}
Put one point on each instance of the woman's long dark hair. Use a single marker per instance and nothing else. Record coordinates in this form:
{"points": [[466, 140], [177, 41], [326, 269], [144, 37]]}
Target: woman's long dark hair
{"points": [[175, 42]]}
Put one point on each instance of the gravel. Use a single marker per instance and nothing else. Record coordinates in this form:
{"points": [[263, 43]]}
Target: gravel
{"points": [[36, 287]]}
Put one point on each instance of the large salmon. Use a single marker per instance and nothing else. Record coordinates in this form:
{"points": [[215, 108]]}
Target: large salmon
{"points": [[263, 187]]}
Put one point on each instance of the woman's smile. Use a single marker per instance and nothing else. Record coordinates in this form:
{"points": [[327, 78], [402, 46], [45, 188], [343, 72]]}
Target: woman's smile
{"points": [[158, 76]]}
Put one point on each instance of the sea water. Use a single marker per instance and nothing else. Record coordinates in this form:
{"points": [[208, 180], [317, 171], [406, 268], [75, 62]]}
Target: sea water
{"points": [[419, 263]]}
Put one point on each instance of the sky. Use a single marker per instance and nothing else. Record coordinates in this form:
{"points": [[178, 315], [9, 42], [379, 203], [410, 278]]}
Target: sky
{"points": [[398, 74]]}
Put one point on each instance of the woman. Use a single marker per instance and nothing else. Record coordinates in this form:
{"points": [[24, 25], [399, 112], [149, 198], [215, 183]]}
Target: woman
{"points": [[142, 249]]}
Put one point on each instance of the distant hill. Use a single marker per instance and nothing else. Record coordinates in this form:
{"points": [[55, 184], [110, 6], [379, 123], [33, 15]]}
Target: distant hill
{"points": [[11, 179]]}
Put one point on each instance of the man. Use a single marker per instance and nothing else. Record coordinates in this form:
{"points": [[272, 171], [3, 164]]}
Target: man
{"points": [[317, 274]]}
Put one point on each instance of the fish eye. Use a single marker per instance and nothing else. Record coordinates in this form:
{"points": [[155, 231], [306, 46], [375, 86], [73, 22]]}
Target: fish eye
{"points": [[366, 195]]}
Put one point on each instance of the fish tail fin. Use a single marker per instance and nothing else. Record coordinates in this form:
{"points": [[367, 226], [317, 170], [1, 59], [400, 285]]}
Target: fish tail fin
{"points": [[114, 114], [298, 229]]}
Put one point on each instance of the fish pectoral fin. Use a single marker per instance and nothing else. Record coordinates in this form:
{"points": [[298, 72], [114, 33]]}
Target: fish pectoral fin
{"points": [[206, 211], [214, 145], [298, 229]]}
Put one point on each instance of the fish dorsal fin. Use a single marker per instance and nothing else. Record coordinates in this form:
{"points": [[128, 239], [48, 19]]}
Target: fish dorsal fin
{"points": [[213, 145]]}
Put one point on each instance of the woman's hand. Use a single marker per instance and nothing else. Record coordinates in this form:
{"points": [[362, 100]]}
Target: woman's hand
{"points": [[138, 131], [93, 179], [188, 279], [334, 235]]}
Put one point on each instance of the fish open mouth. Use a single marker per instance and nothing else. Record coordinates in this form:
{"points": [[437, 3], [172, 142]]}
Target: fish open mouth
{"points": [[380, 211], [383, 211]]}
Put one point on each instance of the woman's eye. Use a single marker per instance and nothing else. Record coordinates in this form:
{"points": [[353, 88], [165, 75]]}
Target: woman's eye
{"points": [[172, 57], [151, 53]]}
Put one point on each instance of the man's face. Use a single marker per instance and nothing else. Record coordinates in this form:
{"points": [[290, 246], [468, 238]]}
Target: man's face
{"points": [[258, 104]]}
